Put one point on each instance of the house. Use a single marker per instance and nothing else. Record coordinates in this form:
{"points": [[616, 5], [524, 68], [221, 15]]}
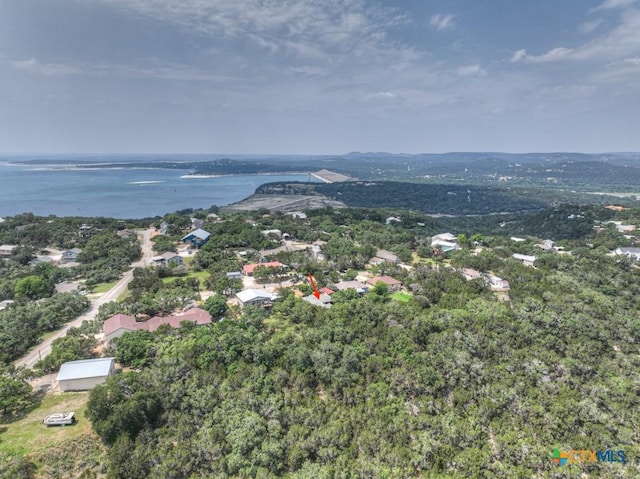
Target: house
{"points": [[326, 290], [448, 237], [86, 231], [546, 245], [274, 233], [249, 268], [445, 246], [392, 283], [392, 219], [234, 275], [631, 253], [288, 248], [6, 303], [324, 301], [126, 233], [470, 274], [517, 240], [197, 237], [117, 325], [85, 374], [298, 215], [384, 256], [526, 259], [40, 259], [7, 249], [167, 259], [316, 252], [357, 285], [445, 242], [196, 223], [626, 228], [70, 256], [497, 283], [256, 297]]}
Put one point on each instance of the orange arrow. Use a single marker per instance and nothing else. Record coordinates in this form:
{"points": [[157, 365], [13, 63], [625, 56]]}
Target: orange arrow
{"points": [[316, 293]]}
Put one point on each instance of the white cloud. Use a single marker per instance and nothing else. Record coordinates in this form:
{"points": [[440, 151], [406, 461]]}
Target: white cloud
{"points": [[298, 27], [46, 69], [617, 43], [552, 55], [471, 70], [590, 26], [442, 21], [611, 4], [166, 71], [626, 70]]}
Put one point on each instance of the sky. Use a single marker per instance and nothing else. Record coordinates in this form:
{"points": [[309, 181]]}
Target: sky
{"points": [[319, 76]]}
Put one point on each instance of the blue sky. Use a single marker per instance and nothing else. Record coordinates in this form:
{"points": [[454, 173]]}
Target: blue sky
{"points": [[319, 76]]}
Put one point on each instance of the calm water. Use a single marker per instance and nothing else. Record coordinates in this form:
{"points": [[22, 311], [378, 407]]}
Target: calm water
{"points": [[119, 193]]}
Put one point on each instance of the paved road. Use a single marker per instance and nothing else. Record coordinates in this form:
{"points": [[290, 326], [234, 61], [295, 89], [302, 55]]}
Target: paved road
{"points": [[44, 348]]}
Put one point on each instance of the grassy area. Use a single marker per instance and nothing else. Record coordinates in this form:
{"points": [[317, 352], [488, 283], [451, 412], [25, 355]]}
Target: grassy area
{"points": [[402, 297], [103, 287], [28, 435], [202, 276]]}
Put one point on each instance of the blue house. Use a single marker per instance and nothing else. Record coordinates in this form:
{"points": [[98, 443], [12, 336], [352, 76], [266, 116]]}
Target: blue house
{"points": [[197, 238]]}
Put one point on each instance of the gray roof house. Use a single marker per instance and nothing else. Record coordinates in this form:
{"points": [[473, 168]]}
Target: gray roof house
{"points": [[85, 374], [631, 253], [165, 259], [256, 297], [197, 237], [70, 255], [7, 249]]}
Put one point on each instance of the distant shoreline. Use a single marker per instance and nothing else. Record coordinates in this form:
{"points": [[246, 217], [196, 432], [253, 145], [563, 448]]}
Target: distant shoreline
{"points": [[273, 173]]}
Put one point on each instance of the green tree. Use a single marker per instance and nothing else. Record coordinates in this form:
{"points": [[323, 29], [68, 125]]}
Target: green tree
{"points": [[15, 392], [216, 305], [32, 288]]}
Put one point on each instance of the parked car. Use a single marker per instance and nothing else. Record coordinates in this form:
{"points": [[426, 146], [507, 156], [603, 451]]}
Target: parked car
{"points": [[60, 419]]}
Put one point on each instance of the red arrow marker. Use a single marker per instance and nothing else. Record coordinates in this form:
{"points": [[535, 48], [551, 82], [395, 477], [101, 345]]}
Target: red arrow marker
{"points": [[316, 293]]}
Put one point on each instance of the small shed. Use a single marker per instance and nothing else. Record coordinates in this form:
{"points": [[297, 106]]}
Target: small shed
{"points": [[85, 374]]}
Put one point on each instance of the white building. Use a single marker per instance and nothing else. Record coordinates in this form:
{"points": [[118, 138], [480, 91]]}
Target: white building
{"points": [[85, 374], [256, 297], [631, 253], [526, 259]]}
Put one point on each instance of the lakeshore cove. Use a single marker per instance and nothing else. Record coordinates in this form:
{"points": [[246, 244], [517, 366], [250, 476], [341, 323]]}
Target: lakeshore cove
{"points": [[79, 186]]}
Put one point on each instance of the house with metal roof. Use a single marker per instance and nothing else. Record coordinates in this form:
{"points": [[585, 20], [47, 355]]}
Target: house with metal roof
{"points": [[256, 297], [85, 374], [71, 255], [324, 300], [526, 259], [168, 258], [7, 249], [197, 237]]}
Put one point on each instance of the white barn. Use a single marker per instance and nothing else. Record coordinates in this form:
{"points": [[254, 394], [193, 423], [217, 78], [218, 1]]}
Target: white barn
{"points": [[85, 374]]}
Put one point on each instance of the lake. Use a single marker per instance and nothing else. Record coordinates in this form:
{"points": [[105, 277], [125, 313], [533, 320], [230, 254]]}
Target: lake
{"points": [[125, 192]]}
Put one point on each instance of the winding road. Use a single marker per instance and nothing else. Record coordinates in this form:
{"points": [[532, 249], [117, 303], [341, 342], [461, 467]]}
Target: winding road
{"points": [[44, 348]]}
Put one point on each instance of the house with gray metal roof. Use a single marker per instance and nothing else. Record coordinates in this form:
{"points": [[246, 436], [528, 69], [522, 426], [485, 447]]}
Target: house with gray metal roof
{"points": [[197, 237], [85, 374]]}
